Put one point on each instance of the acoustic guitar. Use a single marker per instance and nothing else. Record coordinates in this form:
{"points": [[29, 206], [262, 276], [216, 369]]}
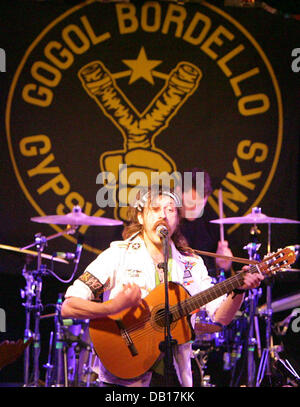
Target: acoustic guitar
{"points": [[128, 343]]}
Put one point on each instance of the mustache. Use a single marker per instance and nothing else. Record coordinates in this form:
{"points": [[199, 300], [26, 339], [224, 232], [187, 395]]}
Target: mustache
{"points": [[160, 223]]}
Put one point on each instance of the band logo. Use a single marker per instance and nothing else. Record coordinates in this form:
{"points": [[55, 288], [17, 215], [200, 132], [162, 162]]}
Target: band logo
{"points": [[150, 87]]}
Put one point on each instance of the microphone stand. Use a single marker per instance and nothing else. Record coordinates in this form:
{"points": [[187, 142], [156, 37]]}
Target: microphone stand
{"points": [[166, 345]]}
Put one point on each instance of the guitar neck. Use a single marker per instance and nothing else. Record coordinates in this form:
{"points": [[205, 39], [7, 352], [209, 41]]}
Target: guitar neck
{"points": [[197, 301]]}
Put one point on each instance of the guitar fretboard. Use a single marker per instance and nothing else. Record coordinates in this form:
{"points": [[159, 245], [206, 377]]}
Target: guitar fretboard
{"points": [[189, 305]]}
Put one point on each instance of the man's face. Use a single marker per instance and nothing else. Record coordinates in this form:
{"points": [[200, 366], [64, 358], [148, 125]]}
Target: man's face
{"points": [[159, 211], [192, 204]]}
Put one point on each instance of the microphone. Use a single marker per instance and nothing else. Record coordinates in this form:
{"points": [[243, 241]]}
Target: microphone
{"points": [[78, 248], [162, 231], [64, 255]]}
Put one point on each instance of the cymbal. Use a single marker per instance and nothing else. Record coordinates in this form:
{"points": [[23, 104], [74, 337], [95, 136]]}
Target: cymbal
{"points": [[253, 218], [76, 217], [32, 253], [291, 301]]}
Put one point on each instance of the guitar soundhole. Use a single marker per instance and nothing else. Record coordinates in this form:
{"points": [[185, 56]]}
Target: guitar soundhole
{"points": [[158, 318]]}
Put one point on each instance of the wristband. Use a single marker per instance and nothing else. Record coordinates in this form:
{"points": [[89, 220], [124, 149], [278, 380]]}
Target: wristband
{"points": [[237, 291]]}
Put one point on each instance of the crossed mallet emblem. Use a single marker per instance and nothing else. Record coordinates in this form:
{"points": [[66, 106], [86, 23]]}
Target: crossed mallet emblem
{"points": [[138, 130]]}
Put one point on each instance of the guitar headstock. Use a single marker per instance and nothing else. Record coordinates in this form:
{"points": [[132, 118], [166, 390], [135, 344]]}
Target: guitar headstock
{"points": [[277, 261]]}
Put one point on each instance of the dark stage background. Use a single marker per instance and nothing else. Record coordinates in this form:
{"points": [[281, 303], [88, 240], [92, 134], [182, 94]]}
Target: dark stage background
{"points": [[234, 111]]}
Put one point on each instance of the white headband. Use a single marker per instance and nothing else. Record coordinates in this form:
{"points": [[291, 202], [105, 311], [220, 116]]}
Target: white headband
{"points": [[140, 203]]}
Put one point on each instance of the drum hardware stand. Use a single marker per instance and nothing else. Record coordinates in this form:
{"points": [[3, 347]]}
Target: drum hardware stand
{"points": [[58, 341], [265, 365], [48, 366], [62, 341], [252, 340], [87, 368], [265, 362], [199, 359], [234, 356], [49, 382], [28, 292], [284, 366], [66, 366], [252, 249], [32, 289], [56, 381], [54, 378], [69, 340]]}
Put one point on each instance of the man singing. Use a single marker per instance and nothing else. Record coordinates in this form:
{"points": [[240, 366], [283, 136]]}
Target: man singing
{"points": [[128, 271]]}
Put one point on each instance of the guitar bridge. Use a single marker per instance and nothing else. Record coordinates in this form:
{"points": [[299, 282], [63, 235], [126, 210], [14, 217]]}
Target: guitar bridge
{"points": [[125, 335]]}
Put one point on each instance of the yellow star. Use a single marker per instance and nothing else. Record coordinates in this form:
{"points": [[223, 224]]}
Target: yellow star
{"points": [[141, 67]]}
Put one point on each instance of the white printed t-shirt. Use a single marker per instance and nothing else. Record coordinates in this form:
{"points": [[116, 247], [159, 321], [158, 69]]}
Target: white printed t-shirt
{"points": [[129, 261]]}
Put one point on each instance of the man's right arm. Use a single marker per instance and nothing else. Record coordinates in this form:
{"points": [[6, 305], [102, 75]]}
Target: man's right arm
{"points": [[75, 307]]}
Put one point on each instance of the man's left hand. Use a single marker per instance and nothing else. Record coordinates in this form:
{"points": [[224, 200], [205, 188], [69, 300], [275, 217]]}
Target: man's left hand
{"points": [[251, 280]]}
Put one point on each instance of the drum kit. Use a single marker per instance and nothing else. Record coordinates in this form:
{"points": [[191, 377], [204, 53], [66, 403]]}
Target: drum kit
{"points": [[247, 322], [69, 339], [70, 355]]}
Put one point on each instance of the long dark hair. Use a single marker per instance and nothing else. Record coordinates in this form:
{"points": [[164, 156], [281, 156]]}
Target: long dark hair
{"points": [[133, 226]]}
